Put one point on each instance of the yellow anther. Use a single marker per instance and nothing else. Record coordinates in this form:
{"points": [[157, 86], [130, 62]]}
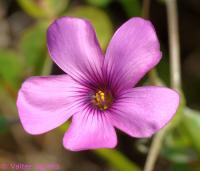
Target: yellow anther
{"points": [[102, 99], [101, 93], [105, 107]]}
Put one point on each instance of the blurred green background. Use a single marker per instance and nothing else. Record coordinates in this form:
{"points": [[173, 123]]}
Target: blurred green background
{"points": [[23, 53]]}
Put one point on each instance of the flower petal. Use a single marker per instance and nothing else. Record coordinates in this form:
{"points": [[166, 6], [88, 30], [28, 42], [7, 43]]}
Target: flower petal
{"points": [[132, 52], [142, 111], [90, 129], [46, 102], [73, 46]]}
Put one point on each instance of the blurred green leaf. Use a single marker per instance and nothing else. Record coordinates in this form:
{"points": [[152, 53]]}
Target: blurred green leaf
{"points": [[177, 147], [177, 138], [163, 69], [64, 126], [182, 143], [180, 167], [99, 20], [100, 3], [47, 66], [117, 160], [154, 79], [3, 124], [33, 47], [132, 7], [57, 7], [184, 155], [185, 166], [11, 69], [32, 8], [191, 121], [43, 8]]}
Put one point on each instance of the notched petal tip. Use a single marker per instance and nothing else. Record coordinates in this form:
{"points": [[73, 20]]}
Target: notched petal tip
{"points": [[73, 46], [76, 148], [142, 111], [89, 131], [137, 44], [44, 103]]}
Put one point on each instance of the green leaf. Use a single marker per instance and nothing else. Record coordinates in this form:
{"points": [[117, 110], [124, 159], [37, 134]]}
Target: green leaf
{"points": [[180, 167], [185, 155], [195, 166], [99, 20], [3, 124], [47, 66], [179, 149], [32, 8], [43, 8], [100, 3], [117, 160], [64, 126], [57, 7], [33, 47], [163, 69], [182, 143], [11, 69], [191, 121], [132, 7]]}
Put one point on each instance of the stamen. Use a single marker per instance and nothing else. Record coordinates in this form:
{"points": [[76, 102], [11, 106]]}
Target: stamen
{"points": [[102, 99]]}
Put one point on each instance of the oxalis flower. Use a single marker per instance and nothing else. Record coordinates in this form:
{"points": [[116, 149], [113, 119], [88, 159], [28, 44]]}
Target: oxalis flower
{"points": [[97, 91]]}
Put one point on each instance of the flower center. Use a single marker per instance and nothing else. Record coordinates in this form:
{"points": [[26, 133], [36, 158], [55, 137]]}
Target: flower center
{"points": [[102, 99]]}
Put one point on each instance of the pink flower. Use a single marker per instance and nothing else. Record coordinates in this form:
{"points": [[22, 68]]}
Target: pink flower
{"points": [[97, 91]]}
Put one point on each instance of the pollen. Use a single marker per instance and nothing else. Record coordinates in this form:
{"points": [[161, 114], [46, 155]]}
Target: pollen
{"points": [[102, 99]]}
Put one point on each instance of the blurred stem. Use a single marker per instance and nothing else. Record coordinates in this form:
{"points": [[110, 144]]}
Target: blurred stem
{"points": [[175, 76], [154, 150], [117, 160], [174, 47]]}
